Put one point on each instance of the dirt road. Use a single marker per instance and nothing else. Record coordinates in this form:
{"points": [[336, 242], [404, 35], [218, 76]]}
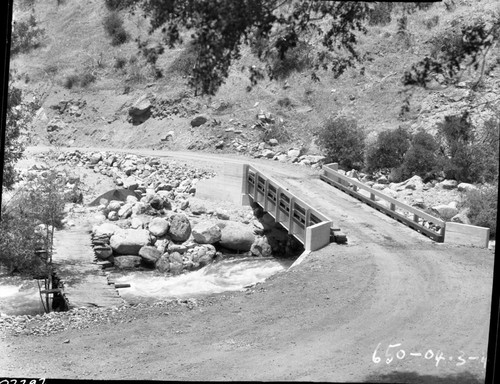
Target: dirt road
{"points": [[332, 318]]}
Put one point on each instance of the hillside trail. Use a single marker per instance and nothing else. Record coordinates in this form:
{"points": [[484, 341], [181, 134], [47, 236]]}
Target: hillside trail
{"points": [[391, 305]]}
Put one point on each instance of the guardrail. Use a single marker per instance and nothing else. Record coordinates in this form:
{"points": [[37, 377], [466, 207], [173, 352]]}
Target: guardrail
{"points": [[305, 223], [423, 222]]}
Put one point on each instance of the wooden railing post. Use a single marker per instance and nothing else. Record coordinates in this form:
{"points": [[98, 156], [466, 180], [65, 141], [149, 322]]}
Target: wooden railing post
{"points": [[277, 208], [290, 217], [266, 189]]}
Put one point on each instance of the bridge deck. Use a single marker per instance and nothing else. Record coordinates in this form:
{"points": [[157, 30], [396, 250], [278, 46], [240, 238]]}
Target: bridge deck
{"points": [[85, 285]]}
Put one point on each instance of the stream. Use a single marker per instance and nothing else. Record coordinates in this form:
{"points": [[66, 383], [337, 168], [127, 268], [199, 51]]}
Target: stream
{"points": [[231, 274], [21, 297]]}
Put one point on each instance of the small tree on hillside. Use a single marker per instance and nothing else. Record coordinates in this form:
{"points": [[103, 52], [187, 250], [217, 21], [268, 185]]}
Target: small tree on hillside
{"points": [[342, 141]]}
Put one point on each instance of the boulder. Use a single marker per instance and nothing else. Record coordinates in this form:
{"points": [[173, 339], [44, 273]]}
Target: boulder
{"points": [[138, 209], [103, 252], [206, 233], [466, 187], [127, 261], [131, 199], [273, 142], [261, 247], [197, 208], [180, 227], [113, 216], [237, 236], [221, 214], [105, 229], [158, 202], [140, 110], [125, 211], [199, 120], [268, 153], [461, 218], [55, 124], [114, 205], [293, 152], [176, 268], [159, 226], [129, 241], [448, 184], [382, 180], [163, 263], [95, 158], [136, 223], [391, 193], [149, 253], [161, 245], [445, 211]]}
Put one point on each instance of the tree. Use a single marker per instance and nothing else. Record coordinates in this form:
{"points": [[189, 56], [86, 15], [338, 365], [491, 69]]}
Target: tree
{"points": [[421, 158], [17, 118], [272, 28], [388, 150], [456, 50], [342, 141]]}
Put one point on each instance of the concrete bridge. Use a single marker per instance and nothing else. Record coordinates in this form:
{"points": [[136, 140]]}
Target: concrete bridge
{"points": [[247, 184]]}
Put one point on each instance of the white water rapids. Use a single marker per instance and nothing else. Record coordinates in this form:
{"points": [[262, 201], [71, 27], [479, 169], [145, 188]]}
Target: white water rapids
{"points": [[21, 297], [227, 275]]}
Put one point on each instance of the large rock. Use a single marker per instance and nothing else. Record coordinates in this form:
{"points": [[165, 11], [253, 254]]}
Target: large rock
{"points": [[448, 184], [163, 263], [445, 211], [461, 218], [55, 124], [125, 211], [261, 247], [105, 229], [127, 261], [206, 233], [149, 253], [180, 227], [197, 208], [159, 226], [236, 236], [129, 241], [103, 252], [466, 187], [114, 205], [140, 110], [199, 120]]}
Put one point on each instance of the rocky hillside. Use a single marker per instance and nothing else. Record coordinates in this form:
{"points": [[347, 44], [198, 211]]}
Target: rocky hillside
{"points": [[93, 93]]}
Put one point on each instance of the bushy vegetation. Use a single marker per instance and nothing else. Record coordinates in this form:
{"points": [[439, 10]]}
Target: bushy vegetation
{"points": [[421, 158], [83, 80], [26, 35], [342, 142], [380, 13], [275, 131], [482, 207], [113, 24], [28, 223], [388, 151]]}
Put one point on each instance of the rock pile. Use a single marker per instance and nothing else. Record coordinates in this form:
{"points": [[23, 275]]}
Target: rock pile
{"points": [[161, 181]]}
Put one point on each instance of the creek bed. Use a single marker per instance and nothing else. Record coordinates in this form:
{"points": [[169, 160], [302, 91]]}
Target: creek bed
{"points": [[230, 274]]}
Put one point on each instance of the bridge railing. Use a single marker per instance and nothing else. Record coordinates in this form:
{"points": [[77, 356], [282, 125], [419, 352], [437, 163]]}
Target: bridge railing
{"points": [[421, 221], [305, 223]]}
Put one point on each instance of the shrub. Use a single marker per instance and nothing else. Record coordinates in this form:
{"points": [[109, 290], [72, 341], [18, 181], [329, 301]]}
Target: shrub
{"points": [[285, 102], [26, 35], [388, 150], [342, 141], [296, 59], [113, 24], [120, 62], [87, 78], [431, 22], [70, 81], [465, 158], [421, 157], [275, 131], [380, 14], [482, 207], [184, 63], [115, 5]]}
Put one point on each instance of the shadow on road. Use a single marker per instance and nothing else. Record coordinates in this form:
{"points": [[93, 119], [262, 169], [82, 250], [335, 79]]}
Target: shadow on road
{"points": [[414, 377]]}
